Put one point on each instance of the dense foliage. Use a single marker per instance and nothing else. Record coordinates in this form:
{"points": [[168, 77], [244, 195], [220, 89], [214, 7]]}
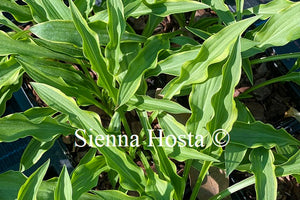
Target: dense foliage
{"points": [[69, 42]]}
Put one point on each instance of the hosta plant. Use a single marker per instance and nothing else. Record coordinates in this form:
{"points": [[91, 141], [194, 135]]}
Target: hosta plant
{"points": [[79, 54]]}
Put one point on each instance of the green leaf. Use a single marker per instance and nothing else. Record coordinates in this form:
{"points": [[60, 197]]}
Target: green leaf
{"points": [[61, 76], [293, 76], [62, 48], [213, 50], [116, 28], [296, 66], [200, 33], [201, 104], [60, 27], [225, 112], [56, 9], [244, 114], [8, 23], [259, 134], [85, 7], [145, 60], [17, 126], [115, 195], [10, 72], [222, 10], [7, 92], [131, 176], [20, 13], [33, 152], [185, 153], [29, 189], [234, 188], [9, 46], [87, 157], [143, 102], [164, 166], [10, 81], [152, 23], [156, 187], [279, 30], [168, 168], [248, 70], [86, 176], [292, 166], [234, 155], [63, 190], [37, 11], [264, 172], [271, 8], [46, 191], [10, 182], [165, 8], [92, 51], [170, 125], [172, 64]]}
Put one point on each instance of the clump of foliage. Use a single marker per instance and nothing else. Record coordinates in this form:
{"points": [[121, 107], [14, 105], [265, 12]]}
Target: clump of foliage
{"points": [[98, 39]]}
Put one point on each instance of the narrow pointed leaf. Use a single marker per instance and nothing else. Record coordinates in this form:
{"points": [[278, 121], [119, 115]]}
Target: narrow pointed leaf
{"points": [[85, 7], [172, 64], [292, 166], [264, 172], [225, 112], [222, 10], [56, 9], [171, 126], [116, 28], [200, 101], [37, 11], [156, 187], [234, 155], [213, 50], [33, 152], [145, 60], [9, 46], [278, 30], [63, 48], [166, 8], [91, 49], [115, 195], [86, 176], [271, 8], [185, 153], [260, 135], [143, 102], [17, 126], [29, 189], [60, 27], [63, 190]]}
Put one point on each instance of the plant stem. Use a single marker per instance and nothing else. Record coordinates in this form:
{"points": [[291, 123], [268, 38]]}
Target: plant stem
{"points": [[268, 82], [232, 189], [125, 123], [275, 57], [186, 171], [203, 172]]}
